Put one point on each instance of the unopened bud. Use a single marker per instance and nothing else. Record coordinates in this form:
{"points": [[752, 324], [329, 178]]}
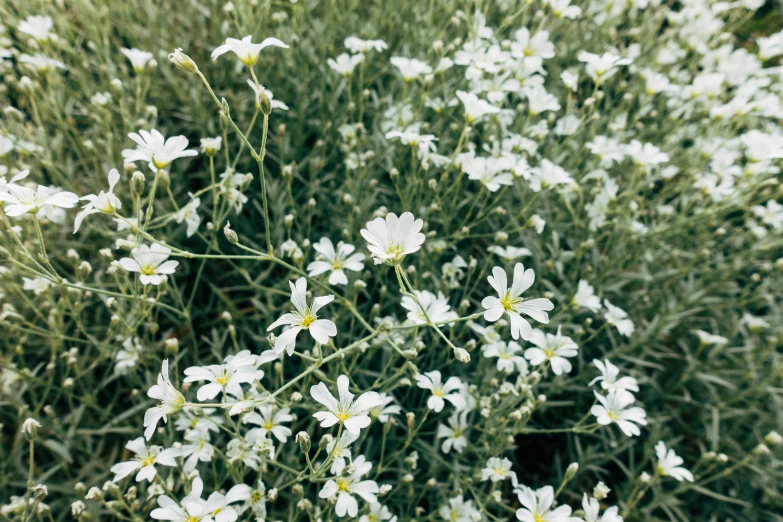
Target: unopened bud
{"points": [[230, 234], [183, 61], [304, 441]]}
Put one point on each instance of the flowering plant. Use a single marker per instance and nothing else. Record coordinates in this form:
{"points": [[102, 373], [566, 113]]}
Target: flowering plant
{"points": [[470, 262]]}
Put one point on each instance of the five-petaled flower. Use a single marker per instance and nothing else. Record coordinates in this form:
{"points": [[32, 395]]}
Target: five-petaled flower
{"points": [[303, 318], [150, 262], [171, 401], [245, 49], [510, 302], [352, 414], [391, 239], [441, 392], [156, 150]]}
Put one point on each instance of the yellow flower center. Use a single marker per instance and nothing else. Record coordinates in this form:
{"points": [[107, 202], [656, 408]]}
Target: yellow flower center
{"points": [[343, 416], [147, 461], [528, 51], [509, 302], [337, 265], [437, 392], [269, 425], [308, 320], [222, 380], [148, 269], [342, 485], [159, 164], [549, 353], [538, 518]]}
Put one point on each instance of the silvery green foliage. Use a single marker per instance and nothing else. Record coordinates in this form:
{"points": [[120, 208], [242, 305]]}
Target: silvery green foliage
{"points": [[390, 261]]}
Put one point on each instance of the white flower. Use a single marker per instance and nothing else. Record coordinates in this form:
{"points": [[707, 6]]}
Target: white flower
{"points": [[192, 508], [339, 450], [385, 408], [475, 107], [337, 261], [537, 506], [210, 146], [345, 487], [592, 509], [357, 45], [645, 155], [391, 239], [171, 401], [670, 465], [345, 63], [239, 369], [353, 415], [441, 392], [22, 200], [257, 90], [411, 69], [435, 307], [539, 100], [510, 302], [36, 285], [303, 318], [378, 512], [496, 469], [707, 338], [570, 80], [453, 435], [39, 27], [138, 59], [546, 175], [458, 510], [563, 8], [245, 49], [601, 67], [491, 172], [609, 380], [271, 421], [586, 298], [150, 262], [198, 450], [525, 47], [105, 202], [189, 215], [145, 460], [158, 151], [6, 146], [552, 348], [128, 356], [30, 426], [509, 253], [618, 318], [100, 98], [508, 360], [614, 408]]}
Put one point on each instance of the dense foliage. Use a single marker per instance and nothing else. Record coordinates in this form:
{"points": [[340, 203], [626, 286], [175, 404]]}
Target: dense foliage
{"points": [[472, 261]]}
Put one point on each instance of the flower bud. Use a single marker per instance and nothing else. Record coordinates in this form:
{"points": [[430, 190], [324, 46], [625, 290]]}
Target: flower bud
{"points": [[230, 234], [304, 441], [571, 471], [600, 491], [137, 183], [30, 428], [462, 355], [183, 61]]}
